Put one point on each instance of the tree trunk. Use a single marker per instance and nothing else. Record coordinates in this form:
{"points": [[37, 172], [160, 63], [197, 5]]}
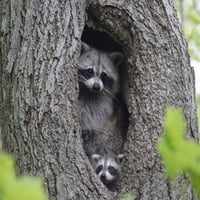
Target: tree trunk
{"points": [[40, 45]]}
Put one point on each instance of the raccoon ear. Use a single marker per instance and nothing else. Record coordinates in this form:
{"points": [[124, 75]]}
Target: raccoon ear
{"points": [[96, 157], [117, 58], [120, 157], [85, 48]]}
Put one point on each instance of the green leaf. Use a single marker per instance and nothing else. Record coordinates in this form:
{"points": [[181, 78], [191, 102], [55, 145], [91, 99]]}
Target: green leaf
{"points": [[25, 188], [7, 171], [18, 188], [174, 126], [179, 154]]}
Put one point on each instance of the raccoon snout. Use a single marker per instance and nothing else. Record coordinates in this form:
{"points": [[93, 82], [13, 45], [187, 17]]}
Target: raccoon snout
{"points": [[96, 87], [103, 177]]}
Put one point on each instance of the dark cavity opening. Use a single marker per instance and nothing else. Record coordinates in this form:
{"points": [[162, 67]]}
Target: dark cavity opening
{"points": [[100, 40]]}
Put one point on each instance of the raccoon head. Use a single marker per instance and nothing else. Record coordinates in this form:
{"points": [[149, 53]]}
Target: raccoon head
{"points": [[97, 70], [107, 167]]}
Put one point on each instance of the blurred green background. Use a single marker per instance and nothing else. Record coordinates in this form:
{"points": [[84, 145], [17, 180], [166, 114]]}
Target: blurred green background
{"points": [[189, 15]]}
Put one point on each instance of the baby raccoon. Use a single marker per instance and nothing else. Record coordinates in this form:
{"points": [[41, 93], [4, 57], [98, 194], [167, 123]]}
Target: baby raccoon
{"points": [[102, 151], [107, 167]]}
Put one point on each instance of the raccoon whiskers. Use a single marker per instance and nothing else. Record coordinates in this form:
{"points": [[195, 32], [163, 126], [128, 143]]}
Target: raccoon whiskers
{"points": [[82, 79], [109, 93]]}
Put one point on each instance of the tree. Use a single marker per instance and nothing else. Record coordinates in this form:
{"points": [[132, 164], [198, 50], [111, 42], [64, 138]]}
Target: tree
{"points": [[40, 45], [198, 107]]}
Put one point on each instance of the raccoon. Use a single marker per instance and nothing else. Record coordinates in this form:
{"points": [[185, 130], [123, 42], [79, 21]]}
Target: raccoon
{"points": [[107, 167], [99, 108], [101, 114], [105, 161], [98, 71]]}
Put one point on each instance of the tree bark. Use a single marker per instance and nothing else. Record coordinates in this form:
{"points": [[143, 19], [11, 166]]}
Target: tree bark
{"points": [[39, 94], [40, 45]]}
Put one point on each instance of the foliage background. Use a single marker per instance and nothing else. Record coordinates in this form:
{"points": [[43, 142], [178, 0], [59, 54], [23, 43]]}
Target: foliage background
{"points": [[189, 15]]}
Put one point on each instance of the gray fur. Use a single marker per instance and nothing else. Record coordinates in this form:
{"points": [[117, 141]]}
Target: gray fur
{"points": [[100, 115], [102, 165], [96, 110], [102, 150]]}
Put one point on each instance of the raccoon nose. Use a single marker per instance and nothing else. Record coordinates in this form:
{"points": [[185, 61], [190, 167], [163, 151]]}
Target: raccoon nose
{"points": [[103, 177], [96, 87]]}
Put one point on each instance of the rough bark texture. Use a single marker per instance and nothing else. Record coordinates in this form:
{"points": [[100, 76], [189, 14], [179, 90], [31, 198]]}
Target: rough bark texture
{"points": [[40, 45], [39, 94]]}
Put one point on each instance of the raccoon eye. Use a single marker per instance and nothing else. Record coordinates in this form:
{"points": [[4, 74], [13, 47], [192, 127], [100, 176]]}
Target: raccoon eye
{"points": [[107, 81], [112, 170], [89, 72], [104, 76], [98, 169]]}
